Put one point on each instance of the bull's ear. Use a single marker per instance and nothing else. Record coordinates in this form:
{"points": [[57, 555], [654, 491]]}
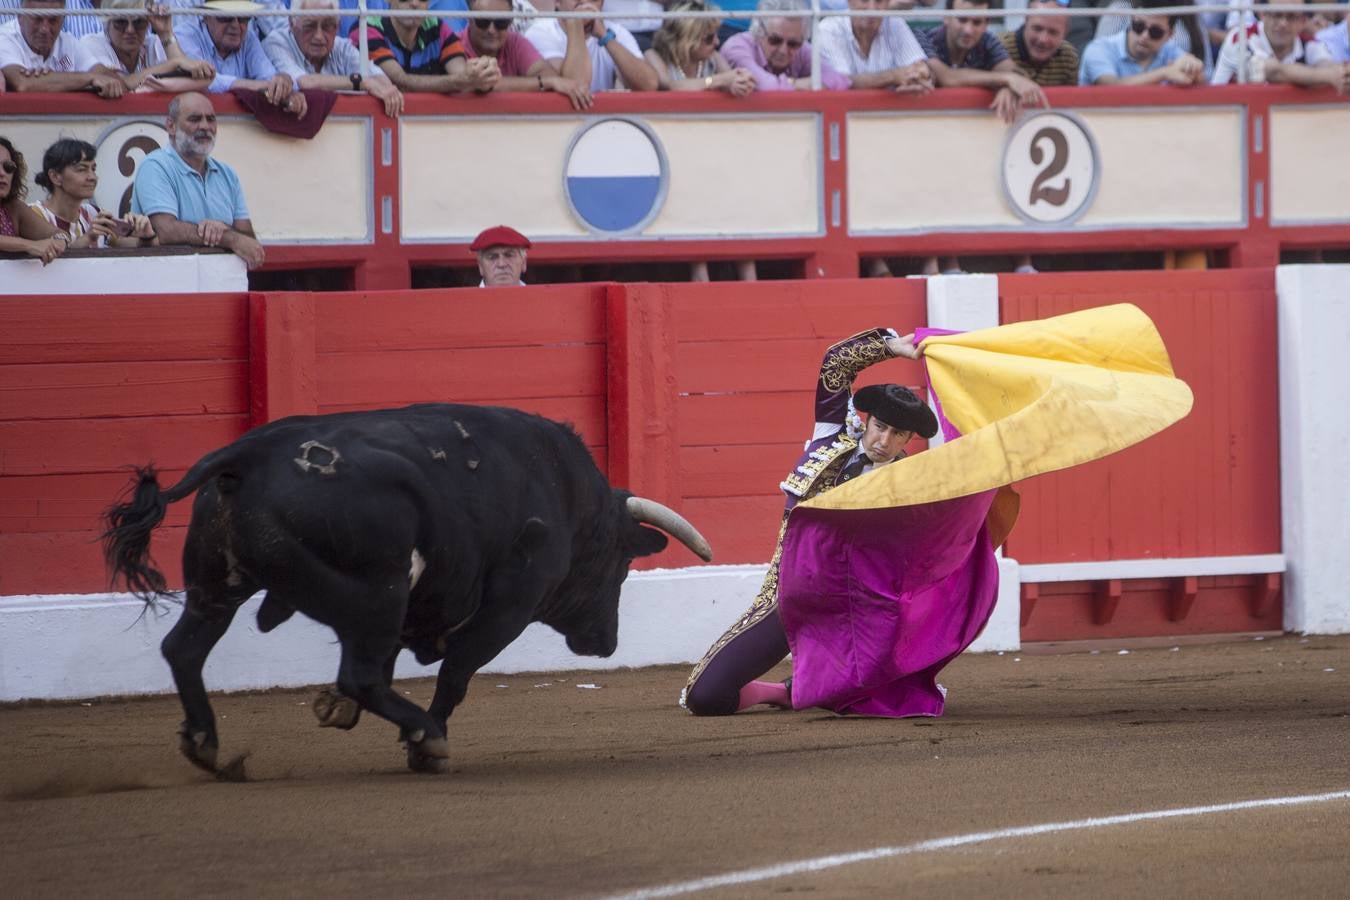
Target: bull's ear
{"points": [[644, 541]]}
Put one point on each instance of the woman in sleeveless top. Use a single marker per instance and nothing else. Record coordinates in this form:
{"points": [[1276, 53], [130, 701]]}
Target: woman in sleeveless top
{"points": [[685, 56], [70, 176], [21, 229]]}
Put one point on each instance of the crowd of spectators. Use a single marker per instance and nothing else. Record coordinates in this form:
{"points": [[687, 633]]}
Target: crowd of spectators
{"points": [[183, 195]]}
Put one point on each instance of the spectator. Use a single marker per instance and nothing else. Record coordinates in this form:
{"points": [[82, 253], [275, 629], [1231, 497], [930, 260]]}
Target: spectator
{"points": [[82, 26], [875, 53], [522, 68], [1190, 38], [308, 52], [144, 61], [592, 51], [351, 7], [190, 197], [36, 55], [70, 176], [642, 30], [424, 55], [1141, 54], [685, 56], [501, 256], [21, 229], [1039, 48], [1336, 39], [234, 51], [777, 53], [964, 54], [1275, 53]]}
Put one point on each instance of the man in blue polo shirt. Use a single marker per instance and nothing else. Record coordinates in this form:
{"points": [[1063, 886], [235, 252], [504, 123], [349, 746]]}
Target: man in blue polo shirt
{"points": [[1142, 53], [190, 197]]}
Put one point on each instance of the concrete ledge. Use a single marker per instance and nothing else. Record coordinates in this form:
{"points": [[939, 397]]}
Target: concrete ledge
{"points": [[88, 645], [1040, 573]]}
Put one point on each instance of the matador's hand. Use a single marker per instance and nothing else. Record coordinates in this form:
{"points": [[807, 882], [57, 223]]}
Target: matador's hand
{"points": [[904, 346]]}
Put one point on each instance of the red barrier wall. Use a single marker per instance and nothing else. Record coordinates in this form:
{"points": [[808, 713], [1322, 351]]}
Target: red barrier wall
{"points": [[1208, 486], [699, 396], [90, 386]]}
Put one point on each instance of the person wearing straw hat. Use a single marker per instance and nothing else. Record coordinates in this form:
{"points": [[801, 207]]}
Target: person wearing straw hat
{"points": [[236, 53], [140, 48]]}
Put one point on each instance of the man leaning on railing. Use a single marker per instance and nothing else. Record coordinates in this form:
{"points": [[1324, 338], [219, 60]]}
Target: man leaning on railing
{"points": [[310, 52], [1276, 53], [777, 52], [36, 55]]}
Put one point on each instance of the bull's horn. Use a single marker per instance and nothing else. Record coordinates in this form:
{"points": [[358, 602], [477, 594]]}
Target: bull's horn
{"points": [[672, 523]]}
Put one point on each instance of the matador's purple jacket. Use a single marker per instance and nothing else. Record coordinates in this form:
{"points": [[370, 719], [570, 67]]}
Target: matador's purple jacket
{"points": [[875, 602]]}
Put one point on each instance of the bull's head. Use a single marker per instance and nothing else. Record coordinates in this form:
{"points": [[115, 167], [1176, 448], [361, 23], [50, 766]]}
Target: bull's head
{"points": [[593, 627]]}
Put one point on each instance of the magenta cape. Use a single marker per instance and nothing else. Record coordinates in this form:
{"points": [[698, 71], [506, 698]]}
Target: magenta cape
{"points": [[876, 602]]}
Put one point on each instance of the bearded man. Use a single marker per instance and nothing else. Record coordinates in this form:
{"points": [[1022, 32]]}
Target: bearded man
{"points": [[190, 197]]}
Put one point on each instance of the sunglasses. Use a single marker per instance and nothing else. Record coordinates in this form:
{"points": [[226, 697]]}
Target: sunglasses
{"points": [[130, 24], [232, 20], [777, 40], [709, 39], [1157, 32], [8, 168], [493, 24]]}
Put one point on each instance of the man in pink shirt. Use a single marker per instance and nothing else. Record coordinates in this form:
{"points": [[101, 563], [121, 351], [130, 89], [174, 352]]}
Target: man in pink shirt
{"points": [[777, 53], [522, 66]]}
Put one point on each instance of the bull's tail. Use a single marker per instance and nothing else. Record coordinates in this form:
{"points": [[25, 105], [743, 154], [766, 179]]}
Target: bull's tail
{"points": [[129, 525]]}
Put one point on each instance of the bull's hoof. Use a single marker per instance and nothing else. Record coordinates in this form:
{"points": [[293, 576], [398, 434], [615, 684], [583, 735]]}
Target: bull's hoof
{"points": [[430, 756], [199, 749], [334, 710]]}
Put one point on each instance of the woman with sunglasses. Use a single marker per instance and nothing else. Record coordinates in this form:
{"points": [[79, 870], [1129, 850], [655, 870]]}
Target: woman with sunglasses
{"points": [[523, 67], [140, 49], [684, 54], [21, 229], [70, 176]]}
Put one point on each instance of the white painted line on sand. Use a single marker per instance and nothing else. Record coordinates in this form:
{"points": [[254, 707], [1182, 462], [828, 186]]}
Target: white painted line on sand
{"points": [[764, 873]]}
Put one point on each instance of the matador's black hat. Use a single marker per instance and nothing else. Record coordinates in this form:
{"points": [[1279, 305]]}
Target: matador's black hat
{"points": [[897, 407]]}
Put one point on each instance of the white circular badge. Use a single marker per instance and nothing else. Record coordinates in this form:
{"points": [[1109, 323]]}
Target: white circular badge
{"points": [[120, 151], [1050, 168]]}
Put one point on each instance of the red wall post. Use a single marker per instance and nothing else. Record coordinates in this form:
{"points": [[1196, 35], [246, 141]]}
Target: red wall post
{"points": [[282, 357], [643, 439]]}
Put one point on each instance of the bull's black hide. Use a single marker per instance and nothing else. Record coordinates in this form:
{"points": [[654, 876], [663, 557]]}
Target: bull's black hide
{"points": [[443, 528]]}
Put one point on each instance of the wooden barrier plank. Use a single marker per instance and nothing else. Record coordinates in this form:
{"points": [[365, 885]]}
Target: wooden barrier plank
{"points": [[757, 365], [34, 503], [71, 562], [461, 318], [736, 471], [461, 376], [111, 445], [740, 529], [60, 329], [826, 310], [78, 390]]}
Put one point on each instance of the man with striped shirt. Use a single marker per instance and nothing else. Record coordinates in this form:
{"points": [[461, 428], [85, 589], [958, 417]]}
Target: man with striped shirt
{"points": [[1039, 48]]}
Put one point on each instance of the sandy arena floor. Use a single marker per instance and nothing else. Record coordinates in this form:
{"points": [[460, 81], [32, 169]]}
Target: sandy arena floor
{"points": [[564, 791]]}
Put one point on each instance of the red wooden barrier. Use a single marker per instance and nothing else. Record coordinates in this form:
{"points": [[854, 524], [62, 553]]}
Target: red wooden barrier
{"points": [[90, 386], [699, 396], [1208, 486]]}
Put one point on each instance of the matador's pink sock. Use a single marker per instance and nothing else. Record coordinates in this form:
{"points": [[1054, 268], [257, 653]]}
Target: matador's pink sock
{"points": [[772, 692]]}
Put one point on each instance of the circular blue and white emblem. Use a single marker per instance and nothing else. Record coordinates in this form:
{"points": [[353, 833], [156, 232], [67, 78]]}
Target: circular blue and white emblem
{"points": [[615, 176]]}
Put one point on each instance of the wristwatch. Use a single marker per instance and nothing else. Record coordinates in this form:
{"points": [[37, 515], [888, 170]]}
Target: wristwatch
{"points": [[609, 36], [356, 81]]}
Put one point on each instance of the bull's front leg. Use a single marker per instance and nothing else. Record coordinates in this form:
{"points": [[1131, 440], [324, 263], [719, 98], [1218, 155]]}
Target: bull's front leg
{"points": [[467, 651]]}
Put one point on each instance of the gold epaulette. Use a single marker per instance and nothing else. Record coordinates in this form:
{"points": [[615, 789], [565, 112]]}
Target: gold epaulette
{"points": [[799, 480]]}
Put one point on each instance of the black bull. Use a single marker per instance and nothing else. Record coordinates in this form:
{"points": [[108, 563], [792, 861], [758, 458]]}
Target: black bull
{"points": [[442, 528]]}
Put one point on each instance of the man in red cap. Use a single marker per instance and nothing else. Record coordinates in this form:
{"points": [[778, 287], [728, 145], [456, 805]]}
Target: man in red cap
{"points": [[501, 256]]}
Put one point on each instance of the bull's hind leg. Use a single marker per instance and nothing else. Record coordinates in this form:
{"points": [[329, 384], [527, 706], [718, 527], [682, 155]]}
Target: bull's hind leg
{"points": [[366, 677], [185, 648]]}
